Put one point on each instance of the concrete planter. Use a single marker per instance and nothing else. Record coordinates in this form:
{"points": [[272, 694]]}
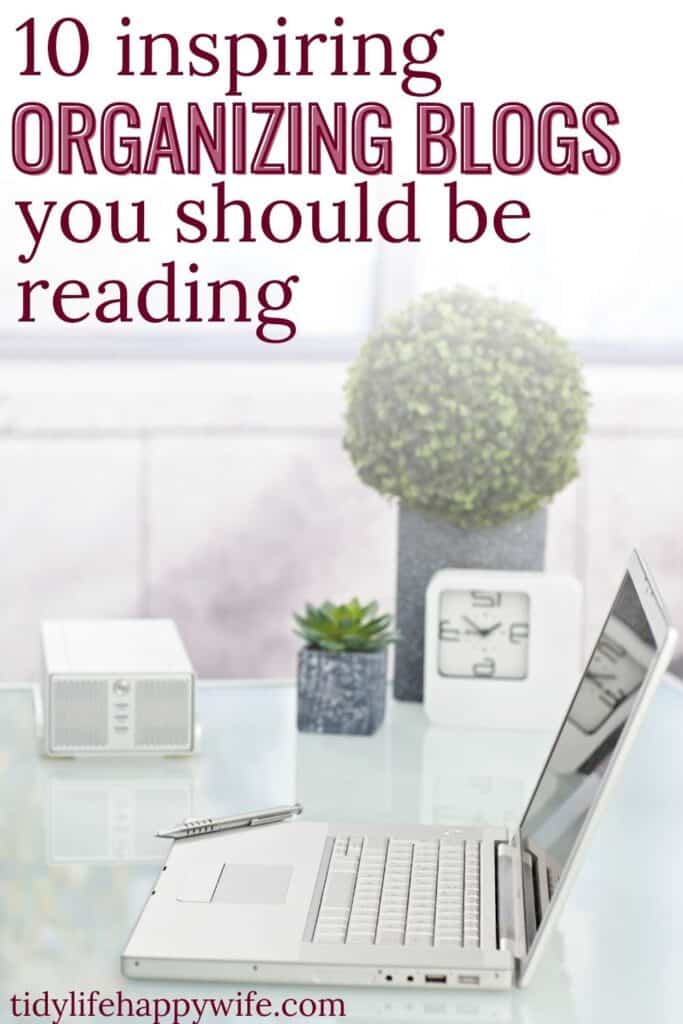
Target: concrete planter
{"points": [[341, 693], [426, 545]]}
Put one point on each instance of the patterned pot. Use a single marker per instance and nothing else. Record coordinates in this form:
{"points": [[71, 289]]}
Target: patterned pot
{"points": [[342, 693]]}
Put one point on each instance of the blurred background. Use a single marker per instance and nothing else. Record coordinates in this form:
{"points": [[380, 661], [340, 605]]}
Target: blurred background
{"points": [[202, 476]]}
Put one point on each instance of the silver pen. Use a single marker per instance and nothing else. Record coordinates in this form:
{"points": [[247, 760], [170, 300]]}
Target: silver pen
{"points": [[204, 826]]}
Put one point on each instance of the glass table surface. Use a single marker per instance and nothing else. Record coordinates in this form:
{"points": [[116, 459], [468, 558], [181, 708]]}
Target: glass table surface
{"points": [[78, 855]]}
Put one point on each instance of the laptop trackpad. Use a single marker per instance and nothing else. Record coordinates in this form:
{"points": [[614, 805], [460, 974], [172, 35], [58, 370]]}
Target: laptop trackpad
{"points": [[237, 884]]}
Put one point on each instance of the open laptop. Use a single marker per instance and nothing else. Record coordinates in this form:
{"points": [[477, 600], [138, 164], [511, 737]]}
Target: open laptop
{"points": [[367, 904]]}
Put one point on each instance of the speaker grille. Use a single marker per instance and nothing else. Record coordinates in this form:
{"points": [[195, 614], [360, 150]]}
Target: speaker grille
{"points": [[79, 713], [162, 713]]}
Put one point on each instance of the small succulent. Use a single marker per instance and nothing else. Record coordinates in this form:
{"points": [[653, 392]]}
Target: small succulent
{"points": [[345, 627]]}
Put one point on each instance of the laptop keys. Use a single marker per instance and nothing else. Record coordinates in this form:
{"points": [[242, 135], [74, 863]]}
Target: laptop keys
{"points": [[401, 892]]}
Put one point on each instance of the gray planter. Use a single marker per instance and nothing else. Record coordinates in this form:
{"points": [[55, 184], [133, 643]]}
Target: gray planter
{"points": [[341, 692], [426, 545]]}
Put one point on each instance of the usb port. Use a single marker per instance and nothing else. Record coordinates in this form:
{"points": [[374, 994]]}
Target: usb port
{"points": [[468, 979], [435, 979]]}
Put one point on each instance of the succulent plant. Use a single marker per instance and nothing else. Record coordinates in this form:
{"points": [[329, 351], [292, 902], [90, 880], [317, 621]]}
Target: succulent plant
{"points": [[345, 627], [466, 407]]}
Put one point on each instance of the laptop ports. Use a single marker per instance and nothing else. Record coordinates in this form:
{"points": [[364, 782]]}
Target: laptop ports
{"points": [[435, 979]]}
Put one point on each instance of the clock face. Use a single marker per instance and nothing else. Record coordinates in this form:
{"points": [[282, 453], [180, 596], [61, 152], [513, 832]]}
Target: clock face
{"points": [[611, 677], [484, 634]]}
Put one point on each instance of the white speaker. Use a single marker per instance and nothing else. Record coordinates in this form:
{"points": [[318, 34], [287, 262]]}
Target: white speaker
{"points": [[116, 686]]}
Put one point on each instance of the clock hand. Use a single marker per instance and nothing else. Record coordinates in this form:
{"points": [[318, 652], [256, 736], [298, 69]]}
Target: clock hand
{"points": [[492, 629], [481, 632]]}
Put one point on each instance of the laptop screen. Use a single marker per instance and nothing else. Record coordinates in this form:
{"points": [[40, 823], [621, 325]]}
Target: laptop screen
{"points": [[585, 744]]}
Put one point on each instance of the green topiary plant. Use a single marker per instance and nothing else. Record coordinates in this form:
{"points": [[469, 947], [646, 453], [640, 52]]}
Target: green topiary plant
{"points": [[345, 627], [467, 408]]}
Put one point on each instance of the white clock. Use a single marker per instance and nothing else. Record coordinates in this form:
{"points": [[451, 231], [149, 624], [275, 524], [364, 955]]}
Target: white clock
{"points": [[502, 649]]}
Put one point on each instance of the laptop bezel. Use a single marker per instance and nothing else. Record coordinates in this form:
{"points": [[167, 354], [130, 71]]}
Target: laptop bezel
{"points": [[665, 638]]}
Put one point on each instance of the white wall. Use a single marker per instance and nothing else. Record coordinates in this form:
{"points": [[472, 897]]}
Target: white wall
{"points": [[220, 495]]}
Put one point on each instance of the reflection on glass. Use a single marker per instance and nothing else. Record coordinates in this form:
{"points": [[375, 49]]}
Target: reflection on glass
{"points": [[614, 674], [584, 747], [112, 821]]}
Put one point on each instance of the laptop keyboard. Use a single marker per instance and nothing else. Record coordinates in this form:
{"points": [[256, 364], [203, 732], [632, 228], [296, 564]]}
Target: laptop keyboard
{"points": [[401, 892]]}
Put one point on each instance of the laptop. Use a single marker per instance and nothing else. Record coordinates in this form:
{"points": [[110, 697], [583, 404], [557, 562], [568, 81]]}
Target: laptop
{"points": [[412, 905]]}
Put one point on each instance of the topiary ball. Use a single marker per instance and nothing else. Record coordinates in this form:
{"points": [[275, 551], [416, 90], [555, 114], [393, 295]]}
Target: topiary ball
{"points": [[467, 408]]}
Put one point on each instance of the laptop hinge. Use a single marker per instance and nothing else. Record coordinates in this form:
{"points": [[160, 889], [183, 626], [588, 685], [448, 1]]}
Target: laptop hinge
{"points": [[544, 873], [511, 917]]}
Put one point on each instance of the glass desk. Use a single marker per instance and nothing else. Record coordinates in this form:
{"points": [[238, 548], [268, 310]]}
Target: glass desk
{"points": [[78, 857]]}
